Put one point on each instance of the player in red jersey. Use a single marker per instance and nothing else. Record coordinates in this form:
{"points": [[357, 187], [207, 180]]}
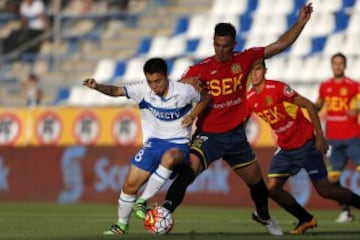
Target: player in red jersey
{"points": [[340, 95], [220, 131], [301, 145]]}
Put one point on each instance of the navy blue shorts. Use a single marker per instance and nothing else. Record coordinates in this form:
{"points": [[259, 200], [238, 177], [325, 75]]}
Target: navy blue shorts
{"points": [[149, 157], [343, 150], [232, 146], [286, 163]]}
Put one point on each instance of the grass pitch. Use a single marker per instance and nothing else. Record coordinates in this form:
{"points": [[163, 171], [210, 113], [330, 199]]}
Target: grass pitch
{"points": [[53, 221]]}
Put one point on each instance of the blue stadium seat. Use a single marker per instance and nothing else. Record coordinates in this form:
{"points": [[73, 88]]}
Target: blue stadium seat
{"points": [[191, 45], [240, 43], [341, 21], [245, 22], [144, 46], [318, 44], [348, 3], [181, 25], [62, 96], [119, 70]]}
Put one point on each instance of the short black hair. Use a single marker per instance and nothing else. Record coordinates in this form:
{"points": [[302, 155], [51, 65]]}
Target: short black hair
{"points": [[155, 65], [225, 29], [339, 54]]}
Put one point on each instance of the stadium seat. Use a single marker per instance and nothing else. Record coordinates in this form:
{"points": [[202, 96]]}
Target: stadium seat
{"points": [[168, 47], [352, 69], [179, 67], [317, 45], [202, 25], [284, 7], [76, 96], [275, 67], [321, 24], [236, 7], [353, 25], [134, 71], [301, 47], [119, 70], [204, 49], [327, 6], [332, 43], [62, 95], [341, 21], [182, 25], [351, 45], [308, 91], [310, 66], [144, 46], [265, 7], [104, 70], [293, 69]]}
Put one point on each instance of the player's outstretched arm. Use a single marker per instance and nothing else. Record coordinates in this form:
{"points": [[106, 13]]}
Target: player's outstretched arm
{"points": [[109, 90], [292, 34]]}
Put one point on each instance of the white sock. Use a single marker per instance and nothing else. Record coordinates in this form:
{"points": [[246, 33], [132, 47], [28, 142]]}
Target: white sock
{"points": [[156, 181], [126, 203]]}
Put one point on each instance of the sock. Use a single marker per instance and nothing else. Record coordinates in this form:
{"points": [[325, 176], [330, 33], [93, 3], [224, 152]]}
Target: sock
{"points": [[259, 195], [155, 182], [355, 200], [299, 212], [126, 203], [344, 207], [176, 192]]}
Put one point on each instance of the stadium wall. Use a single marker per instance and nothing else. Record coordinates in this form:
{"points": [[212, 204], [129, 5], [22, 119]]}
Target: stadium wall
{"points": [[95, 174]]}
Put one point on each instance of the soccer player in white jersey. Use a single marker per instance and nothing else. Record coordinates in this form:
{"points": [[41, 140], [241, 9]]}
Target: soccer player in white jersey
{"points": [[167, 114]]}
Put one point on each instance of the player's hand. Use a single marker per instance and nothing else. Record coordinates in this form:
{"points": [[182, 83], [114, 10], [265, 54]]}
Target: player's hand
{"points": [[194, 81], [187, 120], [321, 144], [90, 83], [305, 14]]}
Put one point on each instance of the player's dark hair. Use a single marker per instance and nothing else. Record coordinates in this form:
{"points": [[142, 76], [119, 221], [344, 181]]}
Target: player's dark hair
{"points": [[155, 65], [339, 54], [224, 30]]}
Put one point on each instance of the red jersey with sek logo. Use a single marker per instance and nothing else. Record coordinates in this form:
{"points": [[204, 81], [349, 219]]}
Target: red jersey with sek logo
{"points": [[226, 82], [275, 105], [339, 98]]}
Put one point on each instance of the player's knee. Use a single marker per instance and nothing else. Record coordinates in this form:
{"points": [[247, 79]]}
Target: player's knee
{"points": [[171, 158]]}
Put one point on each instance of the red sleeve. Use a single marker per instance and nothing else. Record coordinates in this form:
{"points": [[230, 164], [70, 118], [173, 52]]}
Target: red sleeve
{"points": [[191, 71], [254, 54], [288, 94]]}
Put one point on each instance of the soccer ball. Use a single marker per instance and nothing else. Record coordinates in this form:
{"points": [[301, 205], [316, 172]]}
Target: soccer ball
{"points": [[158, 220]]}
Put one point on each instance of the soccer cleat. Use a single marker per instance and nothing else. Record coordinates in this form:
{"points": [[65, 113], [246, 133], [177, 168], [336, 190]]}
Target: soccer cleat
{"points": [[140, 208], [117, 229], [270, 224], [303, 226], [345, 217]]}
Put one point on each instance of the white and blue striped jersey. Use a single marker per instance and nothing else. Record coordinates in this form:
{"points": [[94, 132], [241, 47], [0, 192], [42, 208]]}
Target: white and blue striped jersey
{"points": [[161, 116]]}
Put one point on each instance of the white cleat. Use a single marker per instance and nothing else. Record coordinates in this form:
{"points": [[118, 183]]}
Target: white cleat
{"points": [[270, 224], [345, 217]]}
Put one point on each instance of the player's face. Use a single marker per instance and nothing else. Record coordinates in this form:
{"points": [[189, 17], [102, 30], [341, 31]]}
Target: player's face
{"points": [[258, 74], [223, 46], [158, 83], [338, 67]]}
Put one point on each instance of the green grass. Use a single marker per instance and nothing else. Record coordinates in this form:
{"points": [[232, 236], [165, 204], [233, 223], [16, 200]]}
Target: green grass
{"points": [[52, 221]]}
